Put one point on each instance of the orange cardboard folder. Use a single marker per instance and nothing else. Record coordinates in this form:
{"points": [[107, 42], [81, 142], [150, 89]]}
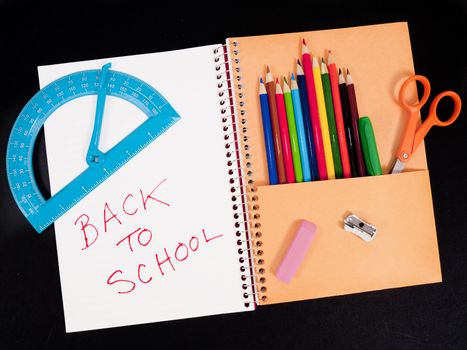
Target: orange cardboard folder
{"points": [[405, 250]]}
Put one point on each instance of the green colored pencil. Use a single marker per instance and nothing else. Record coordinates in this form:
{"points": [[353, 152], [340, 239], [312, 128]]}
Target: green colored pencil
{"points": [[336, 154], [297, 164]]}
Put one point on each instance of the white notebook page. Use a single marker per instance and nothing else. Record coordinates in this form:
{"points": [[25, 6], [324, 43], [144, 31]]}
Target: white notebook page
{"points": [[109, 283]]}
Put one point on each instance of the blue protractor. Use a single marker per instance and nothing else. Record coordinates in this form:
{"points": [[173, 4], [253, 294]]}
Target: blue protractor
{"points": [[42, 213]]}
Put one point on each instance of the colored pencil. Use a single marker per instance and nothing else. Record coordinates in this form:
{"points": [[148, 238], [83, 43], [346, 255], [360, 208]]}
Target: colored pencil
{"points": [[347, 123], [314, 114], [284, 129], [336, 154], [297, 164], [271, 90], [355, 133], [338, 116], [301, 133], [323, 119], [301, 82], [268, 135]]}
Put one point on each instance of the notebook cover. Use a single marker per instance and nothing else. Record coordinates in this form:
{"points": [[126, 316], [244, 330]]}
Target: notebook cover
{"points": [[405, 251]]}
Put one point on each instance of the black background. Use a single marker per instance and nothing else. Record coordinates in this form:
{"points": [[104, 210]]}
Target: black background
{"points": [[422, 317]]}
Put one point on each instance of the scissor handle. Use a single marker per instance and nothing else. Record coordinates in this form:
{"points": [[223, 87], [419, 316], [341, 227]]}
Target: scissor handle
{"points": [[426, 93], [455, 113], [433, 119], [413, 137]]}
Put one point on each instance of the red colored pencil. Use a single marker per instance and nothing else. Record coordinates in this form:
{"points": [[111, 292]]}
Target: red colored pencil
{"points": [[271, 90], [284, 128], [336, 99], [355, 133], [314, 114]]}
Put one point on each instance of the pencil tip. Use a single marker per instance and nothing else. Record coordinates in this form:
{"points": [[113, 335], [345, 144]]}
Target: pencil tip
{"points": [[261, 80], [267, 69], [340, 71], [349, 79], [322, 60], [292, 77], [277, 80], [329, 52], [298, 62], [348, 72], [303, 42]]}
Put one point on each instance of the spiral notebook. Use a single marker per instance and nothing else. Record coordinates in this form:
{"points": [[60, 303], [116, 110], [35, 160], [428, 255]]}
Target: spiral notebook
{"points": [[189, 227]]}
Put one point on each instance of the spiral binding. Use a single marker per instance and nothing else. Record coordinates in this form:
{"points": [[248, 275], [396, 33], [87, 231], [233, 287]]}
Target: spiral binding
{"points": [[245, 201]]}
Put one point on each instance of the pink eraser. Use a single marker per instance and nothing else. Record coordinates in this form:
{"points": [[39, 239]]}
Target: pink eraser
{"points": [[296, 251]]}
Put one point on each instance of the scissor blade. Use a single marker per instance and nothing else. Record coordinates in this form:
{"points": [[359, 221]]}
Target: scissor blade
{"points": [[398, 167]]}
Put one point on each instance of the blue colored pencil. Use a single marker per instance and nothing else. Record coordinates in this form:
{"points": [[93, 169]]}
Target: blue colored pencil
{"points": [[301, 81], [304, 157], [268, 138]]}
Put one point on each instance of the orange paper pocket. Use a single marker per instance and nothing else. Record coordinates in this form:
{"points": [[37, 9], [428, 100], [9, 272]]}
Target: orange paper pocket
{"points": [[404, 252]]}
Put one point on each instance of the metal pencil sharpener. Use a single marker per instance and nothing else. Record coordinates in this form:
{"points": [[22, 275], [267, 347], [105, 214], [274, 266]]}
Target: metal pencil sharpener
{"points": [[360, 228]]}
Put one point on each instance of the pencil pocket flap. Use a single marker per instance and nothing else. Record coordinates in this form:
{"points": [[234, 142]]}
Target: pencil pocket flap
{"points": [[404, 252]]}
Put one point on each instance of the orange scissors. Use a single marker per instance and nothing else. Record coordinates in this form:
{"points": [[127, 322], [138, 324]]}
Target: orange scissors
{"points": [[413, 136]]}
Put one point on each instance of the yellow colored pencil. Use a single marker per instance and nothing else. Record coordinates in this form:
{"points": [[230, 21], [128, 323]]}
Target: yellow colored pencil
{"points": [[323, 120]]}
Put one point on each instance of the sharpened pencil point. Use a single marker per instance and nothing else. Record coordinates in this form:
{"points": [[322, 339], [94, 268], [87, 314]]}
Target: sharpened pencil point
{"points": [[298, 62], [330, 58], [299, 68], [262, 87], [341, 77], [324, 68], [348, 72], [279, 88], [293, 82], [305, 49], [315, 62], [349, 79], [286, 86], [277, 80]]}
